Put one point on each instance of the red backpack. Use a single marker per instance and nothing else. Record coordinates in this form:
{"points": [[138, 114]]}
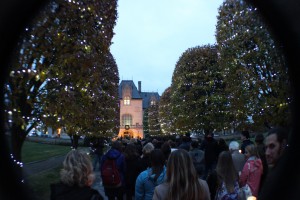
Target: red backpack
{"points": [[110, 174]]}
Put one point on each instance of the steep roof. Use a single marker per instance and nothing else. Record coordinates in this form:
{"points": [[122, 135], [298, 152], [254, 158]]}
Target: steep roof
{"points": [[135, 93], [146, 96]]}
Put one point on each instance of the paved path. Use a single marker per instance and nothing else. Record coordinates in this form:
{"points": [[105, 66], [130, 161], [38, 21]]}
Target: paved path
{"points": [[37, 167]]}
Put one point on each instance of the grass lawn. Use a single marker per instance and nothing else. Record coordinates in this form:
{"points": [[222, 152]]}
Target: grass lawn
{"points": [[33, 151], [39, 185]]}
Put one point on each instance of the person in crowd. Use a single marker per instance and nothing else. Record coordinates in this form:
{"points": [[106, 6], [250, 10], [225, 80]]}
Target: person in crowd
{"points": [[237, 157], [222, 145], [245, 138], [276, 143], [151, 177], [166, 149], [133, 168], [76, 179], [172, 145], [96, 152], [185, 142], [210, 148], [115, 153], [223, 182], [252, 171], [198, 158], [182, 181], [145, 161], [259, 142]]}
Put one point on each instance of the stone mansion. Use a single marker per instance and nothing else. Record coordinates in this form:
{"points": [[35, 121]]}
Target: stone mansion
{"points": [[133, 103]]}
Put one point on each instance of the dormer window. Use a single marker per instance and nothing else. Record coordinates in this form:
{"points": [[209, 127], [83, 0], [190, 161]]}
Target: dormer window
{"points": [[127, 100], [152, 102]]}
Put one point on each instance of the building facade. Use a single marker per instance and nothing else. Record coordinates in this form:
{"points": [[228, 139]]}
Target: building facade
{"points": [[133, 103]]}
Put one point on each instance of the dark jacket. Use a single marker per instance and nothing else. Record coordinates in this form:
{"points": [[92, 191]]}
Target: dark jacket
{"points": [[133, 169], [210, 148], [60, 191], [120, 161]]}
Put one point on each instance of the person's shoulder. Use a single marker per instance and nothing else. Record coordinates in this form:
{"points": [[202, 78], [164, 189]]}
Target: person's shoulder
{"points": [[144, 174], [162, 186], [96, 195]]}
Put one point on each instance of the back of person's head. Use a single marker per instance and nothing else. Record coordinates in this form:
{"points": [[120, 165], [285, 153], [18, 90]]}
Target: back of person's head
{"points": [[246, 134], [172, 143], [194, 144], [157, 158], [117, 145], [226, 171], [221, 141], [234, 145], [252, 150], [180, 165], [77, 169], [133, 141], [131, 151], [185, 138], [166, 149], [148, 148], [281, 132], [259, 138], [181, 172]]}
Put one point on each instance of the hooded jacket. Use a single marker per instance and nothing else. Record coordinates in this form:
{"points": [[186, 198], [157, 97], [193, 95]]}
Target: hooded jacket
{"points": [[145, 184], [120, 161]]}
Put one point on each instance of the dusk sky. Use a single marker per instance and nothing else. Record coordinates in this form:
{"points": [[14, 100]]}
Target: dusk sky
{"points": [[150, 37]]}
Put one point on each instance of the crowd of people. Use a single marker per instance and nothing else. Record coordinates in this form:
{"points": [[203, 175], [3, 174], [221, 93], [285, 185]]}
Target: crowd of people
{"points": [[182, 169]]}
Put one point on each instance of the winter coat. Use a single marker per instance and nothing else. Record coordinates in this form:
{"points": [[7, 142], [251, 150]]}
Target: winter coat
{"points": [[133, 169], [251, 174], [145, 184], [60, 191]]}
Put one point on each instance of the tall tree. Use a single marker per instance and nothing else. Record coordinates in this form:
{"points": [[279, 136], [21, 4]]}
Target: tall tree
{"points": [[257, 85], [197, 101], [153, 122], [165, 114], [63, 43]]}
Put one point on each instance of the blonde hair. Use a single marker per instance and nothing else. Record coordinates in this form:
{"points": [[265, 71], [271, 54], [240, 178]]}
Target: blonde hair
{"points": [[182, 177], [252, 150], [77, 169]]}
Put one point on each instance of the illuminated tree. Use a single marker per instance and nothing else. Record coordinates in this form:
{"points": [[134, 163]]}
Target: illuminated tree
{"points": [[153, 122], [67, 47], [254, 68], [197, 101], [165, 114]]}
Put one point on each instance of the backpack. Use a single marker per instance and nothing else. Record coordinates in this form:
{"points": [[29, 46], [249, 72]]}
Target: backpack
{"points": [[110, 174]]}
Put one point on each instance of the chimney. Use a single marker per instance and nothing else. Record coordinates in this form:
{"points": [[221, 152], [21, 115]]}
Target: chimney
{"points": [[140, 86]]}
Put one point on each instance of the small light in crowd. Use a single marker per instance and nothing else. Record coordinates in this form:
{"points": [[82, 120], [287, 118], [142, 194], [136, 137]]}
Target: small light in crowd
{"points": [[251, 198], [240, 150]]}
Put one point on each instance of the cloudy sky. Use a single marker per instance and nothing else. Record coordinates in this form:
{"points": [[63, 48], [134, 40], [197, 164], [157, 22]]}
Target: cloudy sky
{"points": [[150, 36]]}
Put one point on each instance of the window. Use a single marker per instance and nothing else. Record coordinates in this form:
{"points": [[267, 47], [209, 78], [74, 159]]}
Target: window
{"points": [[152, 103], [127, 100], [126, 120]]}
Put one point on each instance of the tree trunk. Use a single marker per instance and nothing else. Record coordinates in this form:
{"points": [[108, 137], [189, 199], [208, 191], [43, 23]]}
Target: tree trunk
{"points": [[74, 141]]}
